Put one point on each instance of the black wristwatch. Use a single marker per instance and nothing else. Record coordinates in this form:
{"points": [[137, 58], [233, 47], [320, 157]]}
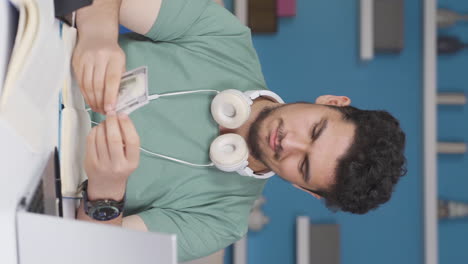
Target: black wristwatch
{"points": [[101, 210]]}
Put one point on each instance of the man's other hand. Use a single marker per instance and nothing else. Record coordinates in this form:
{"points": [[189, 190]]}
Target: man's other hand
{"points": [[112, 154]]}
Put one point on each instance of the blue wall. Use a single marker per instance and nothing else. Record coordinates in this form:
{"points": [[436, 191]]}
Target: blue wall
{"points": [[315, 53], [453, 125]]}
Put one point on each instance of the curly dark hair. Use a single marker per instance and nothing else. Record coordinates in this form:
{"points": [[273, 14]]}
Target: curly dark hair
{"points": [[366, 174]]}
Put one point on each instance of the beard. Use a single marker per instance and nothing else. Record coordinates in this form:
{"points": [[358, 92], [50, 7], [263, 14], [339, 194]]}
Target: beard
{"points": [[253, 139]]}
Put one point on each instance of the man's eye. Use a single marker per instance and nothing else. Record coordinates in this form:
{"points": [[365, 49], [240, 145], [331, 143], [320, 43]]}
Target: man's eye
{"points": [[303, 169], [314, 132]]}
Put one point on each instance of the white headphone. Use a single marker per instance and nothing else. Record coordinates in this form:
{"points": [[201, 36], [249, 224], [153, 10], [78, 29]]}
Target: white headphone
{"points": [[230, 108]]}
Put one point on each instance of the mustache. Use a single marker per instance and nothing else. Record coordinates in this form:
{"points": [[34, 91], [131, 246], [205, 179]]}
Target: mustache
{"points": [[253, 138], [281, 135]]}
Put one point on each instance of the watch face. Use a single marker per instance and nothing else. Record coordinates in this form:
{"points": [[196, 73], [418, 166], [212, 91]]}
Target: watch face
{"points": [[105, 213]]}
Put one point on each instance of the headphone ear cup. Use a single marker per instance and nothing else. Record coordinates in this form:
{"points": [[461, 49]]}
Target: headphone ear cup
{"points": [[229, 152], [231, 108]]}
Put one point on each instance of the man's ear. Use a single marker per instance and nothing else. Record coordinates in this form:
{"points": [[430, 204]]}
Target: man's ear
{"points": [[333, 100], [307, 191]]}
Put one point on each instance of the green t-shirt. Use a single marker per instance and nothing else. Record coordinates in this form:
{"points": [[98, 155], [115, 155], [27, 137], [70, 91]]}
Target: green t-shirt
{"points": [[192, 45]]}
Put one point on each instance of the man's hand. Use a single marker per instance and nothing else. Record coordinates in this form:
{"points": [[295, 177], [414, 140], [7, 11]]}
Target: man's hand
{"points": [[112, 154], [98, 61]]}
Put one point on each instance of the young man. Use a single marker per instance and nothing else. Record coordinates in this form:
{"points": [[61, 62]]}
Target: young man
{"points": [[352, 158]]}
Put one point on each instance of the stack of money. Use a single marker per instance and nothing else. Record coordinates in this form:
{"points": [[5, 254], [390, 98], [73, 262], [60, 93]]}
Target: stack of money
{"points": [[133, 91]]}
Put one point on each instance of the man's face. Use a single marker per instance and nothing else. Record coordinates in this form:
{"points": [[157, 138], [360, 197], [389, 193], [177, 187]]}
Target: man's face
{"points": [[301, 142]]}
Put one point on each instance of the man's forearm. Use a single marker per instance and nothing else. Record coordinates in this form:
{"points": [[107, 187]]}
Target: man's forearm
{"points": [[139, 15], [102, 17], [105, 16]]}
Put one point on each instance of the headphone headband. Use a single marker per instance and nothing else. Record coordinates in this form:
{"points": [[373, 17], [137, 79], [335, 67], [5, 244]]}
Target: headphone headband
{"points": [[254, 94], [249, 172]]}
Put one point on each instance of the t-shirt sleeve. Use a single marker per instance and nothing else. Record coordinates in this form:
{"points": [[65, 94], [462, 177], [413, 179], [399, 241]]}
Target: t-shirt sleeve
{"points": [[187, 18], [198, 234]]}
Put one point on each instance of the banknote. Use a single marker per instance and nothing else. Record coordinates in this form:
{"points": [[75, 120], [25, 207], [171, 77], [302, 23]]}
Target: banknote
{"points": [[133, 90]]}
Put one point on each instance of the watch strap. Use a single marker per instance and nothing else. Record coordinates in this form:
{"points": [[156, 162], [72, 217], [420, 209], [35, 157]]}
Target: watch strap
{"points": [[101, 209]]}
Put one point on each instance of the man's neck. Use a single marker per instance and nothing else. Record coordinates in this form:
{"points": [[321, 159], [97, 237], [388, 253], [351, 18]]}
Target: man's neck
{"points": [[258, 105]]}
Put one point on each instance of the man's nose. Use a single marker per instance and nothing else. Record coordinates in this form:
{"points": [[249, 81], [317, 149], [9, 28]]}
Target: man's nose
{"points": [[294, 144]]}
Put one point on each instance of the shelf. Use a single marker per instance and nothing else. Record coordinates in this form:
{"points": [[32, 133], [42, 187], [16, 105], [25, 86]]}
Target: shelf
{"points": [[430, 132], [366, 32]]}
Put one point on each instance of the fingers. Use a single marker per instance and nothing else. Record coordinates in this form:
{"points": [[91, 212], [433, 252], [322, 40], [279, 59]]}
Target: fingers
{"points": [[91, 151], [101, 144], [112, 150], [87, 83], [112, 81], [78, 71], [98, 65], [98, 84], [114, 138], [130, 139]]}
